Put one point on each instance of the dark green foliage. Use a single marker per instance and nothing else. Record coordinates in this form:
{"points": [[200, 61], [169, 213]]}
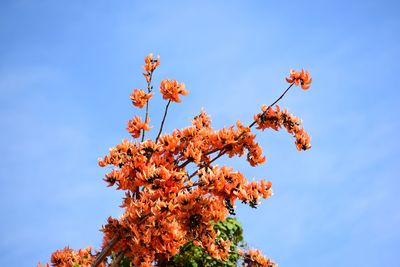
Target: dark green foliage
{"points": [[125, 262], [193, 256]]}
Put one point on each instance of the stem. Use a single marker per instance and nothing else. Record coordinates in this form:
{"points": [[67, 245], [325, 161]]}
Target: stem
{"points": [[276, 101], [206, 154], [147, 114], [106, 250], [221, 153], [117, 260], [163, 120], [147, 103]]}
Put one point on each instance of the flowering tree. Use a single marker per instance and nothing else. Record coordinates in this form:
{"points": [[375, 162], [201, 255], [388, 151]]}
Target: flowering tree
{"points": [[173, 217]]}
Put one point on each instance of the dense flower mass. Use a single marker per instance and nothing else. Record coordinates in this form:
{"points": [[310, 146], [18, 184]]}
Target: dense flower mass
{"points": [[171, 89], [170, 209], [175, 194], [68, 257], [300, 78]]}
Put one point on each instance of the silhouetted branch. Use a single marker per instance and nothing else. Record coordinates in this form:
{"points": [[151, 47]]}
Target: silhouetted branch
{"points": [[163, 120]]}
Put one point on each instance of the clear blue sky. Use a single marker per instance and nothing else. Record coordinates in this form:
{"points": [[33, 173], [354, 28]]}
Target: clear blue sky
{"points": [[67, 69]]}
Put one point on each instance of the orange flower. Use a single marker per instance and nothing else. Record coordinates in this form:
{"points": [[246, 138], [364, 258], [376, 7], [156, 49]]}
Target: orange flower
{"points": [[302, 78], [139, 98], [302, 140], [171, 89], [136, 125], [69, 258], [253, 257], [151, 63]]}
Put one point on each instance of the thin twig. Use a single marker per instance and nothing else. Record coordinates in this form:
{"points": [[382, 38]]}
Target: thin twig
{"points": [[237, 138], [106, 250], [149, 87], [220, 154], [276, 101], [163, 120], [205, 154], [145, 120]]}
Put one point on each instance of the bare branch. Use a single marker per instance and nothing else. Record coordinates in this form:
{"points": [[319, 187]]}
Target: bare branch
{"points": [[149, 88], [163, 120], [106, 250]]}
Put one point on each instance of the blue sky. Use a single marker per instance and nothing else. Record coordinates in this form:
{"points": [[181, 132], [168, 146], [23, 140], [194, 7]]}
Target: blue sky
{"points": [[67, 69]]}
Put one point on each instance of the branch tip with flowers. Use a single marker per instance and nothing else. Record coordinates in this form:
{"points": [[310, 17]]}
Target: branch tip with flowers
{"points": [[171, 217]]}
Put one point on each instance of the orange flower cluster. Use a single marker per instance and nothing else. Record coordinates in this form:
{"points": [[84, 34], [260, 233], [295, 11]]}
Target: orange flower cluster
{"points": [[254, 258], [276, 119], [171, 209], [165, 206], [300, 77], [230, 185], [71, 258], [139, 98], [171, 89], [159, 225], [136, 125], [151, 64]]}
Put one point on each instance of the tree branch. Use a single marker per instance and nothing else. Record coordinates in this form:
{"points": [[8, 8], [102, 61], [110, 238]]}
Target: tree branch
{"points": [[276, 101], [149, 88], [106, 250], [163, 120], [118, 259], [237, 138]]}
